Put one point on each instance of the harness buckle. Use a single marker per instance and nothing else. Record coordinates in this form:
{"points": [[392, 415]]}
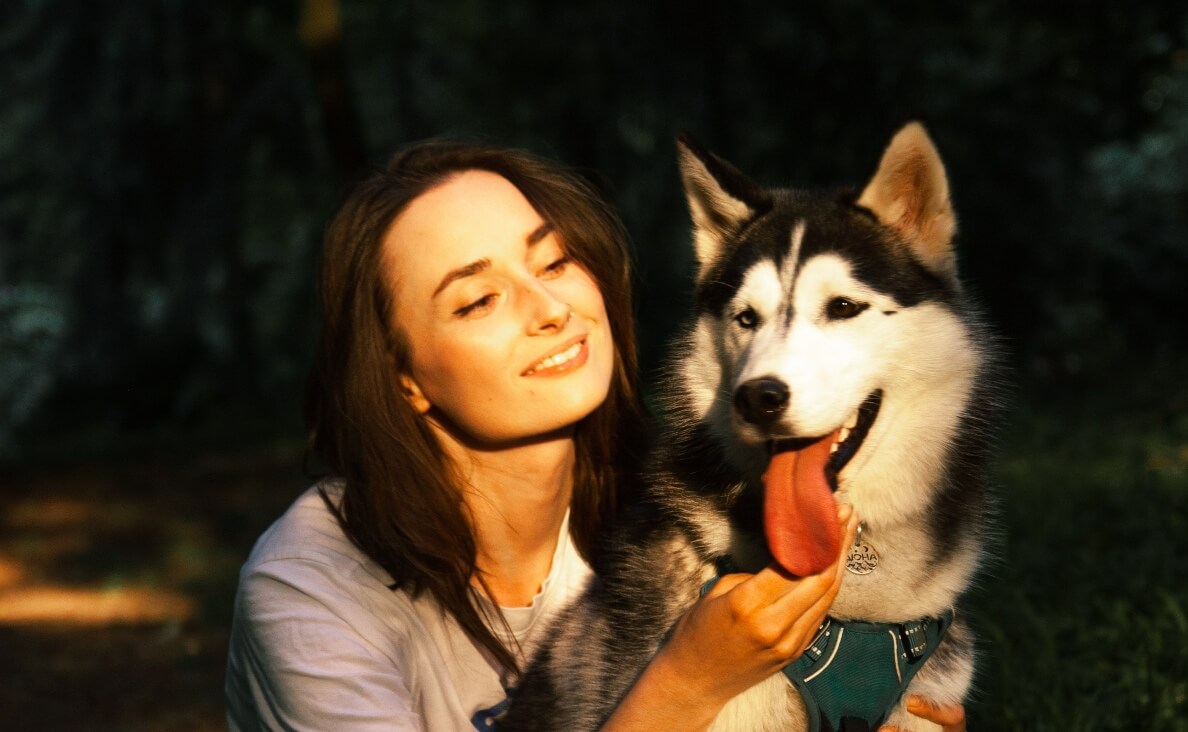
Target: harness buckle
{"points": [[820, 643], [915, 639]]}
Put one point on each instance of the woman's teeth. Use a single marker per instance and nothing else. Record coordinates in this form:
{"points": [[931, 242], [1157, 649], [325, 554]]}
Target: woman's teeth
{"points": [[558, 359]]}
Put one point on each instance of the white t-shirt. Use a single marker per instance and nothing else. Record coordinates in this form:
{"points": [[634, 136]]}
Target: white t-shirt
{"points": [[320, 642]]}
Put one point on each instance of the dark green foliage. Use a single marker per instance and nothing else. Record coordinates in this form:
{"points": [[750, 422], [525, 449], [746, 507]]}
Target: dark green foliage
{"points": [[166, 168], [163, 180]]}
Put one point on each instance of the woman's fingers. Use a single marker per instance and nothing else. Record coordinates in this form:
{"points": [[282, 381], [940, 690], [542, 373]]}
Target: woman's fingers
{"points": [[772, 582], [808, 621], [753, 625], [783, 612], [951, 717], [726, 583]]}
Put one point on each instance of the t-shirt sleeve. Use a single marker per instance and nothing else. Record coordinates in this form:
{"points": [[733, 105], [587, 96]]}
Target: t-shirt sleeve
{"points": [[297, 661]]}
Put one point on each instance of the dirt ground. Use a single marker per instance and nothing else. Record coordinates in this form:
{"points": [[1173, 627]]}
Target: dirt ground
{"points": [[116, 584]]}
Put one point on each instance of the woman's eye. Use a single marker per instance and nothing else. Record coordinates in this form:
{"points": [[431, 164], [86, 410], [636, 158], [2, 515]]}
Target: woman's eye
{"points": [[843, 308], [748, 319], [556, 268], [478, 305]]}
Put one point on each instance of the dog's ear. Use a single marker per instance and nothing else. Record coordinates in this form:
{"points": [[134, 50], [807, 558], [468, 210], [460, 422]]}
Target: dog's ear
{"points": [[721, 200], [910, 194]]}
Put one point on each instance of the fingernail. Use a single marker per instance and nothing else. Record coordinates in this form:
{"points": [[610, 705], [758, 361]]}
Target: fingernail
{"points": [[844, 511]]}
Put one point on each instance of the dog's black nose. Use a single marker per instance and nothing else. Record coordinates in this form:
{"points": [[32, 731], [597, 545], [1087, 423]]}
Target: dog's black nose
{"points": [[761, 401]]}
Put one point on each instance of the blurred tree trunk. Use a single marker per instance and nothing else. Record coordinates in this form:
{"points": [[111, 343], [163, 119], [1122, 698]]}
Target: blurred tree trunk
{"points": [[320, 31]]}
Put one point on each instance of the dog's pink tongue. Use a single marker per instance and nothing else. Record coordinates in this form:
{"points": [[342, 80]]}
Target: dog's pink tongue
{"points": [[799, 512]]}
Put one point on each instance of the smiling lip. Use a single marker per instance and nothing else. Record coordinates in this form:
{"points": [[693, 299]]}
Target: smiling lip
{"points": [[572, 355]]}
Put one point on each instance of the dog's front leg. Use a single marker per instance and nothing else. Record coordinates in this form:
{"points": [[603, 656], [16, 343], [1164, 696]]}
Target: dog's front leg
{"points": [[945, 679]]}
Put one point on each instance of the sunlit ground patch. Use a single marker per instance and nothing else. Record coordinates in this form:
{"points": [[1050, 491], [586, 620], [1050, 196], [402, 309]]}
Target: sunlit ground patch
{"points": [[65, 560], [57, 512], [79, 606], [10, 573]]}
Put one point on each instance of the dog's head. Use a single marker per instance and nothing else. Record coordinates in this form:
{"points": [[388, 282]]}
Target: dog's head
{"points": [[826, 314]]}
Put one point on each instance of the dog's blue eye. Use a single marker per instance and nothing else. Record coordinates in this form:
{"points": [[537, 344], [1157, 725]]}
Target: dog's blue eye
{"points": [[747, 319], [841, 308]]}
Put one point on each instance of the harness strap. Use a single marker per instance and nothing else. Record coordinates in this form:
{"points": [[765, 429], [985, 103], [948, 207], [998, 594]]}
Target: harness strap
{"points": [[853, 673]]}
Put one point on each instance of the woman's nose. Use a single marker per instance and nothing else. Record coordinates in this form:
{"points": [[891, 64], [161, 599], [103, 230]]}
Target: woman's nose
{"points": [[549, 312]]}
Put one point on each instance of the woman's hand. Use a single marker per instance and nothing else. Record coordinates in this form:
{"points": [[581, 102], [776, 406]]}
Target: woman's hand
{"points": [[744, 630], [754, 625], [951, 717]]}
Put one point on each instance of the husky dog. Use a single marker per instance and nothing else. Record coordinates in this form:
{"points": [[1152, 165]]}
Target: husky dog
{"points": [[832, 357]]}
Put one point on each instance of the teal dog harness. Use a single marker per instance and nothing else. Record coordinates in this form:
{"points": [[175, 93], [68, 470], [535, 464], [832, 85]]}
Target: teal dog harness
{"points": [[853, 674]]}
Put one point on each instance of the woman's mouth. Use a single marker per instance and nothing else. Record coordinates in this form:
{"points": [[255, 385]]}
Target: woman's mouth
{"points": [[572, 357]]}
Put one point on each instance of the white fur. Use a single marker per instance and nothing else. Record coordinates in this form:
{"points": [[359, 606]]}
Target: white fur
{"points": [[701, 374], [713, 528], [792, 263], [769, 706], [924, 361], [762, 290], [829, 366]]}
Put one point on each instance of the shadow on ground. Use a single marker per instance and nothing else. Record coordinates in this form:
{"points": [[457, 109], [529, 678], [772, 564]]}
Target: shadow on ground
{"points": [[116, 583]]}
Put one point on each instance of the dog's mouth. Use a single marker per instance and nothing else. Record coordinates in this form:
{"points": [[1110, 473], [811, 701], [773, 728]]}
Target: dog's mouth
{"points": [[848, 439], [800, 514], [844, 441]]}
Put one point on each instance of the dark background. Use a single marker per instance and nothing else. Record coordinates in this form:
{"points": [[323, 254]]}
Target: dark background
{"points": [[167, 168]]}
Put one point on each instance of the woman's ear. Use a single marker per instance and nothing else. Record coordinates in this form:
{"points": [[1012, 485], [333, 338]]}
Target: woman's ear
{"points": [[413, 394]]}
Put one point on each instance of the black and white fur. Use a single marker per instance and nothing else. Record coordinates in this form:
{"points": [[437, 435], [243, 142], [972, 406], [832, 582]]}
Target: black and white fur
{"points": [[774, 267]]}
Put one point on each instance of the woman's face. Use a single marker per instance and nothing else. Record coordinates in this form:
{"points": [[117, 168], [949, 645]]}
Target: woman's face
{"points": [[509, 338]]}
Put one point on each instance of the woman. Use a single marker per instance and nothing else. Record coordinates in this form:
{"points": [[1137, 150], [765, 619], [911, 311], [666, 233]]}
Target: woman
{"points": [[474, 393]]}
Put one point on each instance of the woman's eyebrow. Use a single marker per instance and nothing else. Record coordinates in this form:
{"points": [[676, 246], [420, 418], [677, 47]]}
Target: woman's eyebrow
{"points": [[541, 232], [466, 270]]}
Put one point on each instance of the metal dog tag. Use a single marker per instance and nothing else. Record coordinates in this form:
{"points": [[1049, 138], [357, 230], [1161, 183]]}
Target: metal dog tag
{"points": [[862, 559]]}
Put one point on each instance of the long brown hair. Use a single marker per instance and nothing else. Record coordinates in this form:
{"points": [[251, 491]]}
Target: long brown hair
{"points": [[401, 504]]}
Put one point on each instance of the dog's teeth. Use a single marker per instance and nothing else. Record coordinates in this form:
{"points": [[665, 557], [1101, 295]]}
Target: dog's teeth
{"points": [[852, 422], [833, 448], [844, 434]]}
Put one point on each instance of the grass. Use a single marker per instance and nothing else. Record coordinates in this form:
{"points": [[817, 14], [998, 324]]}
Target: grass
{"points": [[1083, 617]]}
